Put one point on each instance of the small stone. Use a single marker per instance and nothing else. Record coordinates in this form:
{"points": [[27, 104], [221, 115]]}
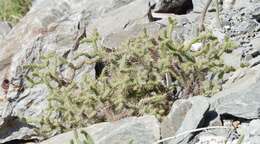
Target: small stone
{"points": [[196, 46], [185, 115], [255, 61], [210, 139]]}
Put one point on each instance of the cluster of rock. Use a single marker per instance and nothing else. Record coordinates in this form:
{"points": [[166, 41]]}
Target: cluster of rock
{"points": [[230, 116]]}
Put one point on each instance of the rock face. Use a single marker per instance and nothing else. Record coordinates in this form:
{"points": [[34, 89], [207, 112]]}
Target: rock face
{"points": [[242, 99], [185, 115], [143, 130], [253, 137], [4, 29]]}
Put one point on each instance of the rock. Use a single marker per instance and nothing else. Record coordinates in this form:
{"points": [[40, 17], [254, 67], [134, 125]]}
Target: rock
{"points": [[196, 46], [15, 129], [232, 59], [185, 115], [174, 6], [256, 14], [256, 43], [4, 29], [255, 61], [31, 103], [254, 126], [115, 40], [241, 4], [251, 132], [228, 4], [199, 5], [242, 98], [185, 29], [121, 18], [142, 130], [211, 139]]}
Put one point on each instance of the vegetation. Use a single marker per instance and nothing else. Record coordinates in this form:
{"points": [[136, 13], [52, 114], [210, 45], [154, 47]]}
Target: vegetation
{"points": [[13, 10], [78, 140], [143, 76]]}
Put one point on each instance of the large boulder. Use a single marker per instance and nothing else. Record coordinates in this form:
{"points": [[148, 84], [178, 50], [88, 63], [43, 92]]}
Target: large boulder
{"points": [[185, 115], [5, 28], [242, 99], [251, 132], [134, 130]]}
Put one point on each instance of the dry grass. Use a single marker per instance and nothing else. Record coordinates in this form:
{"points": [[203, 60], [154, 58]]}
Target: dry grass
{"points": [[13, 10]]}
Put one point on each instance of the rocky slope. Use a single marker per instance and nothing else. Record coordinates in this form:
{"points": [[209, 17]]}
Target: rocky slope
{"points": [[230, 116]]}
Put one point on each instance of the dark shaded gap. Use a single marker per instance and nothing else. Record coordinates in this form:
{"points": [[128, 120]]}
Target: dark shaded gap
{"points": [[178, 8]]}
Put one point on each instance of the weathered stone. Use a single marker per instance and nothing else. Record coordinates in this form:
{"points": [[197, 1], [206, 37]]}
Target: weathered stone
{"points": [[256, 43], [255, 61], [211, 139], [185, 115], [142, 130], [228, 4], [250, 132], [4, 29], [199, 5], [115, 40], [242, 98], [121, 18], [241, 4], [196, 46], [31, 103], [15, 129], [232, 59]]}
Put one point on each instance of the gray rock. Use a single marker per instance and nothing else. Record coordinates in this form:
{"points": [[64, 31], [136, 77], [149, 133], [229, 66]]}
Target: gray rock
{"points": [[174, 6], [241, 4], [4, 29], [228, 4], [185, 115], [256, 43], [250, 132], [232, 59], [199, 5], [242, 98], [254, 132], [31, 103], [14, 129], [121, 18], [185, 28], [115, 40], [142, 130], [255, 61]]}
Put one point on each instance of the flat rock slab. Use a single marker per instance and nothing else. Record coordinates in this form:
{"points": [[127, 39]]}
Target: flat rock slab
{"points": [[4, 29], [185, 115], [242, 99], [142, 130]]}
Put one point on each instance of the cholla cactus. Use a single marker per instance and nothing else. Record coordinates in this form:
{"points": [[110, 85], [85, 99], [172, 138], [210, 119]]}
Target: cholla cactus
{"points": [[142, 76]]}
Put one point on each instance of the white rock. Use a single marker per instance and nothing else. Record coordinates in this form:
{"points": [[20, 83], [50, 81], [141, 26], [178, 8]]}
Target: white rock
{"points": [[196, 46], [212, 140]]}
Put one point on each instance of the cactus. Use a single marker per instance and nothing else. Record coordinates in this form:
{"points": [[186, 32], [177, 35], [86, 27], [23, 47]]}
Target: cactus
{"points": [[140, 77]]}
